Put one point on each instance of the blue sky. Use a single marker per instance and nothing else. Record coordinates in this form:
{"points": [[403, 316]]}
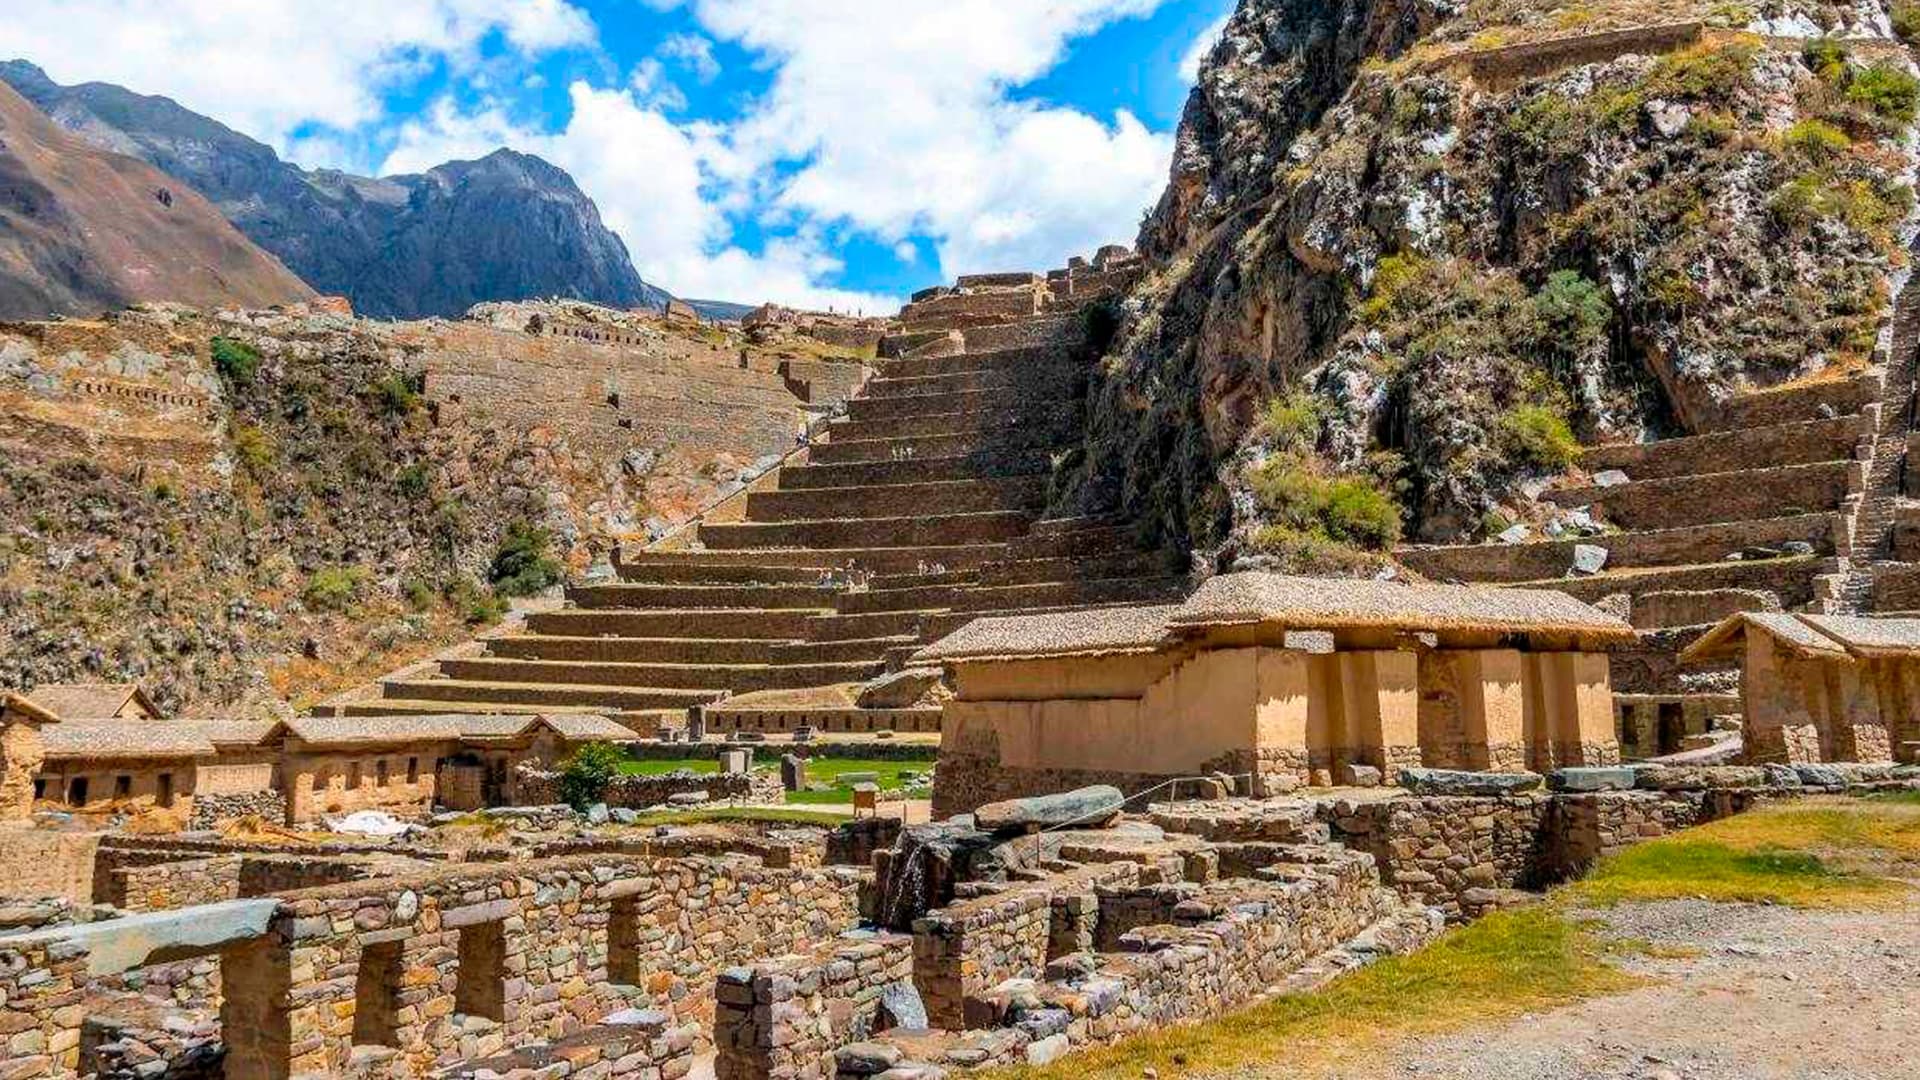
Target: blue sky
{"points": [[821, 152]]}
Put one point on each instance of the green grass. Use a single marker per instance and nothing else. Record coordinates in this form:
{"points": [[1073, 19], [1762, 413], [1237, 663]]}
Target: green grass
{"points": [[1814, 854], [741, 813], [1898, 798], [819, 770], [1504, 965]]}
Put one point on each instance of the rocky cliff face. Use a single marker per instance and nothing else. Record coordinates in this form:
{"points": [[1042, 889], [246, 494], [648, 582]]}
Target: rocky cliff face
{"points": [[84, 230], [506, 227], [1411, 250]]}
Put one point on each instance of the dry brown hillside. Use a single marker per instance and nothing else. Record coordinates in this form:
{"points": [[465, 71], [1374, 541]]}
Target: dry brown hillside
{"points": [[83, 230]]}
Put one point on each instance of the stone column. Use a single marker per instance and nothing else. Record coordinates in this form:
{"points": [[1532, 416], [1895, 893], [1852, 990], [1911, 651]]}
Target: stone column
{"points": [[1855, 729], [1380, 697], [1473, 708]]}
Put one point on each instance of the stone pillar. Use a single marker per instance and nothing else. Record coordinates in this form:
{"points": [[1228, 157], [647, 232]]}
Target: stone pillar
{"points": [[1590, 737], [21, 754], [1473, 708], [1381, 699], [1284, 704], [256, 1019], [1780, 697], [1856, 730]]}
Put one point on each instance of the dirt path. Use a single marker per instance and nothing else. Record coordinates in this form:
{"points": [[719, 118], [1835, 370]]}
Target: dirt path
{"points": [[1763, 992]]}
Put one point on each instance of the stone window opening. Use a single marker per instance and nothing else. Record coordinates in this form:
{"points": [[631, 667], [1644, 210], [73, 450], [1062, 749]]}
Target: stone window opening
{"points": [[413, 770], [623, 943], [39, 789], [77, 791], [163, 789], [380, 778], [375, 992], [122, 786], [353, 776], [480, 982]]}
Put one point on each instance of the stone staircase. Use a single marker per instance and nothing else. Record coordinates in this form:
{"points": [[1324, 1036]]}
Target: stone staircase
{"points": [[916, 512]]}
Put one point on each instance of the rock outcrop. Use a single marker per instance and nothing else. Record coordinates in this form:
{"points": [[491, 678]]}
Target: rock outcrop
{"points": [[509, 226], [84, 230], [1412, 254]]}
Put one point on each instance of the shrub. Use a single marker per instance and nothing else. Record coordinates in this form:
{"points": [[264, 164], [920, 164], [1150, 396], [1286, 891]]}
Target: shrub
{"points": [[253, 448], [397, 394], [1538, 435], [1308, 553], [585, 774], [1291, 421], [1573, 311], [235, 360], [521, 564], [418, 593], [1392, 278], [1827, 58], [1816, 140], [477, 606], [1711, 71], [1891, 93], [1102, 322], [1344, 509], [1906, 21], [1550, 124], [411, 481], [333, 588]]}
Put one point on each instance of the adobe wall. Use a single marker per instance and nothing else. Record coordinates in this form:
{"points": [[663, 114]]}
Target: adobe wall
{"points": [[131, 785], [320, 783], [42, 863]]}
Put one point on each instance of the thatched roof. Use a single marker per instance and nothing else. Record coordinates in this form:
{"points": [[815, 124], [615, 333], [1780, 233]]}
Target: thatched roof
{"points": [[91, 701], [1282, 603], [124, 739], [1810, 635], [23, 708], [1304, 603], [1091, 632], [374, 730], [449, 727]]}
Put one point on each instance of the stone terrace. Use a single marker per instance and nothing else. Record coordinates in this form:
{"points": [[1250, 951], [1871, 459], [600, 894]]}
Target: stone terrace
{"points": [[916, 512]]}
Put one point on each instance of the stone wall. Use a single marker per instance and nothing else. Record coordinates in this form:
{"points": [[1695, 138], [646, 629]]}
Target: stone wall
{"points": [[210, 811], [174, 883], [783, 1019], [41, 863]]}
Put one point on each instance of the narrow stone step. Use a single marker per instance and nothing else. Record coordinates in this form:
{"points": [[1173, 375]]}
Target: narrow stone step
{"points": [[847, 651], [1018, 357], [1805, 401], [876, 560], [952, 382], [1033, 571], [716, 573], [935, 530], [1688, 545], [868, 625], [637, 595], [1717, 497], [461, 691], [898, 500], [636, 650], [784, 624], [1800, 443], [912, 598], [1056, 594], [1000, 399], [1789, 579], [1024, 419], [917, 470], [989, 447], [1073, 544], [413, 707], [737, 678]]}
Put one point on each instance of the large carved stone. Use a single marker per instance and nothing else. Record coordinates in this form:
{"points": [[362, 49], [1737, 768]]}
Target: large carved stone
{"points": [[1088, 807]]}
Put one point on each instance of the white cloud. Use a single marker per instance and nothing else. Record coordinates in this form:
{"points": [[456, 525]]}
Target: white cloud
{"points": [[896, 120], [692, 52], [267, 67], [1202, 45]]}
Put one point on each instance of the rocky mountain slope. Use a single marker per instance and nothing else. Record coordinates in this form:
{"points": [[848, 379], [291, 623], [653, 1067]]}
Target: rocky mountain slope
{"points": [[1413, 253], [242, 509], [506, 227], [83, 230]]}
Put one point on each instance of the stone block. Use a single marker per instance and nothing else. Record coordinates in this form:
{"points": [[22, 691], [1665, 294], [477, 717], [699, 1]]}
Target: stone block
{"points": [[1592, 778], [1087, 807], [1355, 775], [1422, 781]]}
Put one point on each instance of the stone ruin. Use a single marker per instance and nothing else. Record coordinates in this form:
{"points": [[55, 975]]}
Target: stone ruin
{"points": [[1026, 930]]}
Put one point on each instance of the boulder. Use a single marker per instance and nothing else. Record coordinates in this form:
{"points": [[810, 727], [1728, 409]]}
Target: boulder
{"points": [[866, 1058], [598, 814], [1422, 781], [1781, 776], [1088, 807], [1589, 558], [897, 689], [1699, 777], [1361, 775], [1592, 778], [1609, 478]]}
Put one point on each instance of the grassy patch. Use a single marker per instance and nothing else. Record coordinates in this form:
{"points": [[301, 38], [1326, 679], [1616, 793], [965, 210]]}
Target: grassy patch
{"points": [[1507, 964], [1898, 798], [829, 770], [768, 814], [1809, 855]]}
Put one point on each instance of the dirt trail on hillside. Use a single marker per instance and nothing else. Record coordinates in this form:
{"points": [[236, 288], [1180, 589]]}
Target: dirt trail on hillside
{"points": [[1767, 992]]}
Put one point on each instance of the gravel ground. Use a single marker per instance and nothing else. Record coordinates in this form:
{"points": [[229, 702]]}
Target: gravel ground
{"points": [[1768, 992]]}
